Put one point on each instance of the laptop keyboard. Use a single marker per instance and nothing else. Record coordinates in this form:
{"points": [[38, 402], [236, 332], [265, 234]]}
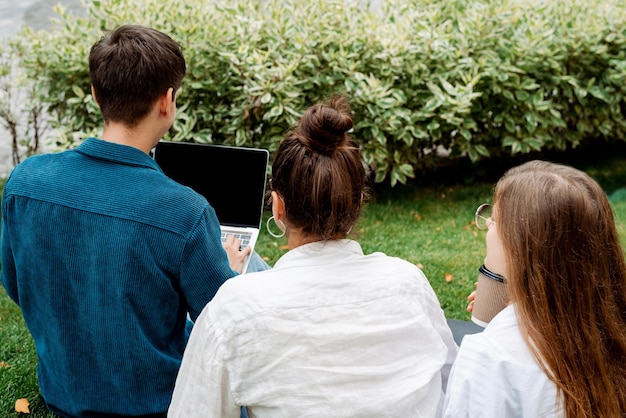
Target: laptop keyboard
{"points": [[244, 237]]}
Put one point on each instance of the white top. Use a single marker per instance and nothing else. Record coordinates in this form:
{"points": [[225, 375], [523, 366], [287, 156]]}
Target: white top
{"points": [[328, 332], [495, 375]]}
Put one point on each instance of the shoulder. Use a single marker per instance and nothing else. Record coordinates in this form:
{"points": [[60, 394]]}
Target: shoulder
{"points": [[243, 297], [172, 206], [33, 170], [501, 341], [499, 358], [391, 263], [497, 353], [39, 161], [172, 192], [396, 270]]}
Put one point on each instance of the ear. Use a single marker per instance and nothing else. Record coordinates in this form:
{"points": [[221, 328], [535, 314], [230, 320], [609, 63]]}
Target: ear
{"points": [[278, 206], [93, 94], [166, 101]]}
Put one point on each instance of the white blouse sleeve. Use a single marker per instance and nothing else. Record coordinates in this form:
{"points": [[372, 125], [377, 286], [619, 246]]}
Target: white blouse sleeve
{"points": [[478, 385], [496, 375], [203, 383], [439, 323]]}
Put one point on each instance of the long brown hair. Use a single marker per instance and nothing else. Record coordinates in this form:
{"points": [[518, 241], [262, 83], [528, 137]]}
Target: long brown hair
{"points": [[319, 173], [567, 277]]}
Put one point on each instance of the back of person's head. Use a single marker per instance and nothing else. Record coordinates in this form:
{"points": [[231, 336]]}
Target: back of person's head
{"points": [[130, 68], [567, 277], [319, 173]]}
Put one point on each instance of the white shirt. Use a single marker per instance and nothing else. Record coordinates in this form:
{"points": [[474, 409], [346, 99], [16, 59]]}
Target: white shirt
{"points": [[328, 332], [496, 376]]}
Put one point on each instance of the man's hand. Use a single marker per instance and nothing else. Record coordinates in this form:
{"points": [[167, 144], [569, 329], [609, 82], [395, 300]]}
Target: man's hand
{"points": [[236, 256]]}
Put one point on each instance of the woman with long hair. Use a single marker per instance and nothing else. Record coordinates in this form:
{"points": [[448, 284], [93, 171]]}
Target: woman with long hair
{"points": [[559, 348], [329, 331]]}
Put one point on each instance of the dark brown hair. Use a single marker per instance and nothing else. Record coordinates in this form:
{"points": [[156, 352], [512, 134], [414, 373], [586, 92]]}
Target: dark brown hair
{"points": [[130, 68], [567, 277], [319, 173]]}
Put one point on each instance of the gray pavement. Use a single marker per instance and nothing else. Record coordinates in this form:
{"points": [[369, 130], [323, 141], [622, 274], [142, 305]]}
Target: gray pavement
{"points": [[34, 13]]}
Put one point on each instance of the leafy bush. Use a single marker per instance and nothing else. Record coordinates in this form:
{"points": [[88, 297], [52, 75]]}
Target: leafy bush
{"points": [[21, 113], [471, 79]]}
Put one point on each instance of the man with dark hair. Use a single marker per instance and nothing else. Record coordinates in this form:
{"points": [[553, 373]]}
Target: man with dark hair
{"points": [[105, 255]]}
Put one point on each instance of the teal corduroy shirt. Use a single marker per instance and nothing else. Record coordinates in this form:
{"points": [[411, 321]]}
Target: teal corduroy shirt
{"points": [[105, 256]]}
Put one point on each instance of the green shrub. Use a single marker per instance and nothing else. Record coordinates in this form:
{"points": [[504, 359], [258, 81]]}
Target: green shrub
{"points": [[471, 79], [21, 113]]}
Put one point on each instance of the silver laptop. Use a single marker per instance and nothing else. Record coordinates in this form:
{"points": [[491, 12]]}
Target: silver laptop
{"points": [[232, 179]]}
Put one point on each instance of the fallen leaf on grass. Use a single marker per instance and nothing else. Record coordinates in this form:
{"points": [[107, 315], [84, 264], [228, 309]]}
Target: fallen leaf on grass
{"points": [[471, 227], [448, 277], [420, 266], [21, 405], [4, 365], [283, 247]]}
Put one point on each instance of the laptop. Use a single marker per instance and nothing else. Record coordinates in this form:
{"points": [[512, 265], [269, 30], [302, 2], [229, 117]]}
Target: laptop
{"points": [[232, 179]]}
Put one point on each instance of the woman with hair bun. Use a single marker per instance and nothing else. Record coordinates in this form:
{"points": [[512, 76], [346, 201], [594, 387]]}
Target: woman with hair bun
{"points": [[329, 331]]}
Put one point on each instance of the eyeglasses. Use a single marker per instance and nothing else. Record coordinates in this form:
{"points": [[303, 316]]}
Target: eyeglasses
{"points": [[482, 219]]}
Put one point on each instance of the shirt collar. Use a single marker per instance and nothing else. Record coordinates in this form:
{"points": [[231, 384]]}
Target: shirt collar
{"points": [[117, 153], [324, 250]]}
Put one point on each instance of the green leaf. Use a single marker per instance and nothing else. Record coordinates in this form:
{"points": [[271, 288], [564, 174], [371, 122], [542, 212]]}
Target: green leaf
{"points": [[534, 143], [508, 95], [386, 103], [531, 120], [407, 170], [482, 150], [267, 97], [522, 96], [78, 91], [509, 124], [274, 112], [508, 141]]}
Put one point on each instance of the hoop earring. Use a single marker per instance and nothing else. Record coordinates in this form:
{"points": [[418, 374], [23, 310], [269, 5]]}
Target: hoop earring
{"points": [[269, 231]]}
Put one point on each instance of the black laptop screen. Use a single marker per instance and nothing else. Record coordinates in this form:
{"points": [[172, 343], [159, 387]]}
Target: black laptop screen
{"points": [[232, 179]]}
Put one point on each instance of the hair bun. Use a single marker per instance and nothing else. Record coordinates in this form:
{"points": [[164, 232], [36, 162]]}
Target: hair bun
{"points": [[323, 127]]}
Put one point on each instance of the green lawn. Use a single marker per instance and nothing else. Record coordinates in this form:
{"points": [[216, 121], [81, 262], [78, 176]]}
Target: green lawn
{"points": [[429, 223]]}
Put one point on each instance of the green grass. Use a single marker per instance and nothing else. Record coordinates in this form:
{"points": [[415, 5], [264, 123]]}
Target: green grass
{"points": [[428, 223], [18, 378]]}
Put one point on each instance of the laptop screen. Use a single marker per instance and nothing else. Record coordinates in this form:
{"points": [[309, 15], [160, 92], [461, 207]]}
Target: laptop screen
{"points": [[232, 179]]}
